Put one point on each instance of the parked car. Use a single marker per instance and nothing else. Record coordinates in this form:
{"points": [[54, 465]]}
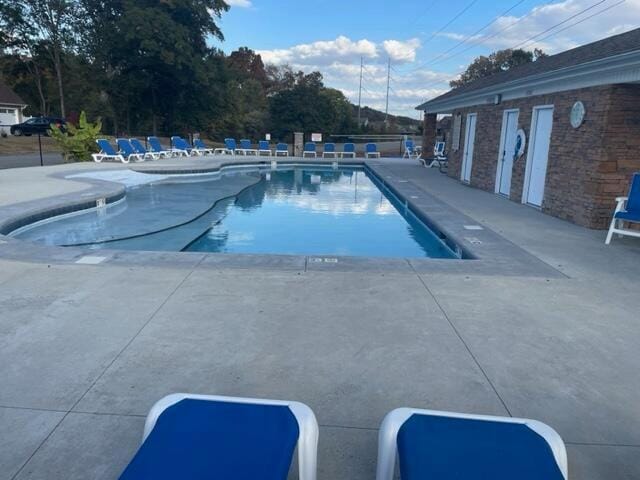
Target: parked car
{"points": [[36, 125]]}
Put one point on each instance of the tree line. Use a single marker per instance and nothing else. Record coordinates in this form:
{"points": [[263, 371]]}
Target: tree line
{"points": [[145, 66]]}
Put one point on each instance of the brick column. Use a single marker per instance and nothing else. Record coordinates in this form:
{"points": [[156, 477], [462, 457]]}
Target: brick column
{"points": [[429, 133]]}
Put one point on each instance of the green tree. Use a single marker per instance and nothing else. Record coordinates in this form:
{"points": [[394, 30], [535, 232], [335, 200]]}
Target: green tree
{"points": [[499, 61], [47, 24], [154, 55]]}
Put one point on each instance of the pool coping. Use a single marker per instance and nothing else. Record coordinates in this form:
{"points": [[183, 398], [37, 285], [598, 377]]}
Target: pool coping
{"points": [[491, 254]]}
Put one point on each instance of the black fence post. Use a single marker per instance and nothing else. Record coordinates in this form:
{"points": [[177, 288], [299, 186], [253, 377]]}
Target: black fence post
{"points": [[40, 149]]}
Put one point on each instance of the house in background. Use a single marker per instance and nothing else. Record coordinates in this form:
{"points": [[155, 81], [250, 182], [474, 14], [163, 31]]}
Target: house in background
{"points": [[561, 134], [11, 107]]}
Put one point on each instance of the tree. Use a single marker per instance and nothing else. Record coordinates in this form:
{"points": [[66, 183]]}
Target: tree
{"points": [[499, 61], [307, 105], [32, 24], [155, 56]]}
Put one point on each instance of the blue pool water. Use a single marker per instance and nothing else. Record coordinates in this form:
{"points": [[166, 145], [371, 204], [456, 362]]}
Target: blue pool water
{"points": [[311, 210]]}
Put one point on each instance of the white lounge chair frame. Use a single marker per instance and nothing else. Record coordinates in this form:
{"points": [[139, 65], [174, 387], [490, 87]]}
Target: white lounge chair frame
{"points": [[203, 151], [438, 156], [388, 448], [246, 151], [148, 154], [307, 425], [282, 153], [160, 153], [137, 157], [617, 224], [408, 154], [311, 154], [99, 157], [223, 151], [268, 152]]}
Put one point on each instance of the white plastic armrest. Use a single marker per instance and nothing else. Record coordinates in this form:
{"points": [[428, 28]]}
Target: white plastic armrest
{"points": [[621, 203]]}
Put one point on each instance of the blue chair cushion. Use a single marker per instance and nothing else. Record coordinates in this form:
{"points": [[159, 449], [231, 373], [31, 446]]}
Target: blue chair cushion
{"points": [[431, 446], [628, 216], [203, 439]]}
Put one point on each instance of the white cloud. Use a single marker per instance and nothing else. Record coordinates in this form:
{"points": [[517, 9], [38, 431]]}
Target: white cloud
{"points": [[339, 62], [401, 52], [239, 3], [321, 52], [510, 31]]}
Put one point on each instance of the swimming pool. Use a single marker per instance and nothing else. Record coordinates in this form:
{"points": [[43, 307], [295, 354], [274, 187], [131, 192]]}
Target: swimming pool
{"points": [[302, 210]]}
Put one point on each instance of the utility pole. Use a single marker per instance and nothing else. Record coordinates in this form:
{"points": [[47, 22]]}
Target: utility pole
{"points": [[360, 90], [386, 111]]}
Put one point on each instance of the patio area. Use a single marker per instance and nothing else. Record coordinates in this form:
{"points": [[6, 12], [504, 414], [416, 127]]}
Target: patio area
{"points": [[87, 349]]}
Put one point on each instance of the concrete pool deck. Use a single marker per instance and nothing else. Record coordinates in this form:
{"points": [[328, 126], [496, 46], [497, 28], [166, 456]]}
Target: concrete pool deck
{"points": [[87, 349]]}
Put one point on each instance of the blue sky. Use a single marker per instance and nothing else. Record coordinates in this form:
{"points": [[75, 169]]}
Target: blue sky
{"points": [[428, 41]]}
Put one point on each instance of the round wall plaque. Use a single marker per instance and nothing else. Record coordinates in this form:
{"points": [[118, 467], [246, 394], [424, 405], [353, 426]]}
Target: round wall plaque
{"points": [[577, 114]]}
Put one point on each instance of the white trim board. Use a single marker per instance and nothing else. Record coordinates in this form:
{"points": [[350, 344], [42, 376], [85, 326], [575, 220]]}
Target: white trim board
{"points": [[623, 68]]}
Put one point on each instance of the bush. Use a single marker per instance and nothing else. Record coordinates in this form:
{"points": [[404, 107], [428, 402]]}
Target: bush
{"points": [[78, 143]]}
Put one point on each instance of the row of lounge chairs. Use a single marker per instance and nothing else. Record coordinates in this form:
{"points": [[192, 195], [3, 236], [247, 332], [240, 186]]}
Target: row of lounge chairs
{"points": [[132, 149], [199, 436], [348, 150], [245, 147]]}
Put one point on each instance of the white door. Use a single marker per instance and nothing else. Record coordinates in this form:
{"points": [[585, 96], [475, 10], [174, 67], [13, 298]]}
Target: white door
{"points": [[507, 151], [469, 141], [538, 155]]}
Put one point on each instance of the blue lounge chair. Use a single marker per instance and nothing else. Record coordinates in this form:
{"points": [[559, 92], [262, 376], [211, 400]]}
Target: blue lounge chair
{"points": [[200, 147], [371, 150], [348, 150], [446, 445], [329, 149], [181, 147], [410, 150], [107, 152], [142, 150], [156, 147], [229, 148], [309, 149], [205, 437], [246, 148], [127, 151], [627, 210], [263, 147], [282, 150]]}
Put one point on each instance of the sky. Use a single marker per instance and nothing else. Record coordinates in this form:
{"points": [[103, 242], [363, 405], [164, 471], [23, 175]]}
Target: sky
{"points": [[428, 42]]}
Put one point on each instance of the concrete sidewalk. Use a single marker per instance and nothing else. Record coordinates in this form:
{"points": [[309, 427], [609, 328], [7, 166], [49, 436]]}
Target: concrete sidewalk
{"points": [[86, 350]]}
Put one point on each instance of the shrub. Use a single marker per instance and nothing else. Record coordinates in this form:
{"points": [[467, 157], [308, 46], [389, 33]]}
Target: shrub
{"points": [[78, 142]]}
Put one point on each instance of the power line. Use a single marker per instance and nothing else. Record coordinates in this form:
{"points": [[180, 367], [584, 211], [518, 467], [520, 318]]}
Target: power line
{"points": [[457, 16], [561, 23], [554, 26], [582, 20], [360, 90], [386, 110], [481, 40], [463, 41]]}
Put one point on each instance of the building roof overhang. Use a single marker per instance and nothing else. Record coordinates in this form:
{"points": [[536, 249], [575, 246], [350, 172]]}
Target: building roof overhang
{"points": [[622, 68]]}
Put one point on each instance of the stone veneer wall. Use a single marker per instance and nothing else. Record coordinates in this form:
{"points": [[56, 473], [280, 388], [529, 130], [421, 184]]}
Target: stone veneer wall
{"points": [[588, 167]]}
